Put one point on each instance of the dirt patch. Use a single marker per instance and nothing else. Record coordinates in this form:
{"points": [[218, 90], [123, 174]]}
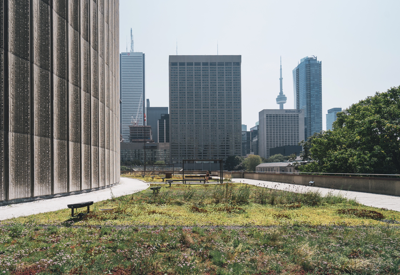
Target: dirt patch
{"points": [[361, 213], [281, 216], [199, 210], [230, 209]]}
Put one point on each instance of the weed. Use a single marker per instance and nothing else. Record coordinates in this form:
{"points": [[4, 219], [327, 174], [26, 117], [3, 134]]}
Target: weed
{"points": [[261, 196], [16, 230], [52, 230], [188, 193]]}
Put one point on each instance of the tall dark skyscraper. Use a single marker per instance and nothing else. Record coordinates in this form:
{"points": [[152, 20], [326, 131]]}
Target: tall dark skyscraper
{"points": [[153, 115], [307, 82], [205, 106]]}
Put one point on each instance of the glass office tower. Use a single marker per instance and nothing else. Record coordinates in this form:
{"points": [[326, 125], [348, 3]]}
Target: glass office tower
{"points": [[132, 91], [307, 84], [205, 106], [331, 117]]}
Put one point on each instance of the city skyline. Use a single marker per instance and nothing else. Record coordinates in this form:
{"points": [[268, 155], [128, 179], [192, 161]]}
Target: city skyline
{"points": [[251, 29]]}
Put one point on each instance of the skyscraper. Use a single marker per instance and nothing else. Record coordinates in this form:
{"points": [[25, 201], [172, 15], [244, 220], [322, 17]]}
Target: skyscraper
{"points": [[281, 99], [279, 128], [132, 90], [205, 106], [307, 84], [331, 117], [153, 115], [163, 129]]}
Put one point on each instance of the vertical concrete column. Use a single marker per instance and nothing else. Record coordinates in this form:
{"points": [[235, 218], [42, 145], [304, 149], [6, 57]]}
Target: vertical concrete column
{"points": [[42, 96], [86, 96], [3, 100], [94, 38], [102, 155], [75, 94], [19, 92]]}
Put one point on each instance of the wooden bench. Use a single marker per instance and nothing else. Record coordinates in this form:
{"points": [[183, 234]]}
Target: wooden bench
{"points": [[80, 205], [155, 189]]}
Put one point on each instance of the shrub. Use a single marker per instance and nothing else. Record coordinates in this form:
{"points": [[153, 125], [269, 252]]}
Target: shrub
{"points": [[261, 196], [242, 195]]}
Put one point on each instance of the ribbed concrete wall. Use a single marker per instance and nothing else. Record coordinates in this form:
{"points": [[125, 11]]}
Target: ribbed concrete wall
{"points": [[59, 96]]}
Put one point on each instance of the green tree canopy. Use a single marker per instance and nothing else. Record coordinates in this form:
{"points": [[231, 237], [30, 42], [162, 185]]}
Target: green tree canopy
{"points": [[364, 139], [277, 158], [232, 162], [159, 162], [251, 162]]}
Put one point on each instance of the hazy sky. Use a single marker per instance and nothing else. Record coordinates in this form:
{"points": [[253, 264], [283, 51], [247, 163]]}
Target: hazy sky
{"points": [[358, 42]]}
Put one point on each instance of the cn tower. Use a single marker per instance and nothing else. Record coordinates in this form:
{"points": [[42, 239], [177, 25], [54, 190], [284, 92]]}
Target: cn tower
{"points": [[281, 99]]}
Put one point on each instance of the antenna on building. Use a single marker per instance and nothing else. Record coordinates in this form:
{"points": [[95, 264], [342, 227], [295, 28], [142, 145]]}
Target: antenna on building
{"points": [[281, 99], [131, 41]]}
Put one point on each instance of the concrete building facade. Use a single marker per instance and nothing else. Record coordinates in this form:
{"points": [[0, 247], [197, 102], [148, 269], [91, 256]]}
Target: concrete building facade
{"points": [[205, 106], [279, 128], [307, 84], [59, 97], [133, 92], [331, 117]]}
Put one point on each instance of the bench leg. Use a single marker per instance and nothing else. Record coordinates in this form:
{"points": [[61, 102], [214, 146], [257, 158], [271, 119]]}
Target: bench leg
{"points": [[72, 212], [88, 209]]}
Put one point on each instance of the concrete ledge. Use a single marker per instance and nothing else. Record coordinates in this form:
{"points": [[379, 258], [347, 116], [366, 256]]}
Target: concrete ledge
{"points": [[386, 186]]}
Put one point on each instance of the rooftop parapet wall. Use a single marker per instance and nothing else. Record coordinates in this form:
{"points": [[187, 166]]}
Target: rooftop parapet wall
{"points": [[386, 186], [59, 97]]}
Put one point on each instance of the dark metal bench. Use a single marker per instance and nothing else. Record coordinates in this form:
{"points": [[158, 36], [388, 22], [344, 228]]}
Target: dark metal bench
{"points": [[155, 189], [80, 205]]}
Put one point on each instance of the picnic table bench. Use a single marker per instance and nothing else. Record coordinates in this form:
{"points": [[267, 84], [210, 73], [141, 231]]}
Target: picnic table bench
{"points": [[80, 205], [155, 189]]}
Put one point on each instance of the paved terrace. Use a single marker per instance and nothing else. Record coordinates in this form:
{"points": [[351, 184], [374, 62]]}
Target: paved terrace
{"points": [[125, 187], [375, 200]]}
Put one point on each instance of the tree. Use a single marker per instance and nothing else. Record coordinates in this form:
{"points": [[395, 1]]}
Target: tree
{"points": [[277, 158], [251, 162], [159, 162], [232, 162], [365, 138]]}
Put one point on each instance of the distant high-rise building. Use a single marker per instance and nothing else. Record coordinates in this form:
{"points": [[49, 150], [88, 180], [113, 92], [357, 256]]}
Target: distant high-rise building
{"points": [[279, 128], [307, 84], [331, 117], [163, 129], [281, 99], [245, 143], [254, 139], [205, 106], [244, 127], [153, 115], [132, 90], [140, 133]]}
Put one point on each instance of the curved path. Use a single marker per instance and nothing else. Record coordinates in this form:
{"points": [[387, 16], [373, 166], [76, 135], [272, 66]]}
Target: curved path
{"points": [[125, 187], [369, 199]]}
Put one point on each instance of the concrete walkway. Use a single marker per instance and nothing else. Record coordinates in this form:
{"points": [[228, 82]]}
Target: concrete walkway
{"points": [[375, 200], [125, 187]]}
